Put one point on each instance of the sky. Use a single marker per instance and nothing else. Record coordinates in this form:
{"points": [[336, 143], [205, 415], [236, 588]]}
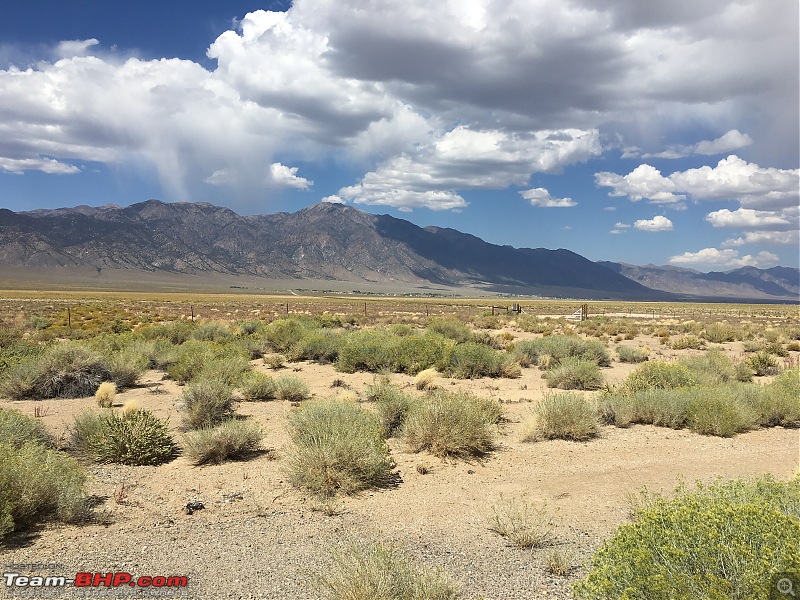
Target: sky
{"points": [[641, 132]]}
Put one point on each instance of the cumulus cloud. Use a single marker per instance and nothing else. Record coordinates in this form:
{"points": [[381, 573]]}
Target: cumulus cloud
{"points": [[773, 238], [732, 179], [45, 165], [284, 176], [657, 223], [383, 86], [732, 140], [745, 218], [541, 197], [468, 159], [724, 259]]}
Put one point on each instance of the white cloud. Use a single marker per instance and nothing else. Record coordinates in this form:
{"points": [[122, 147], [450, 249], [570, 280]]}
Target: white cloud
{"points": [[644, 182], [773, 238], [541, 197], [621, 225], [45, 165], [467, 159], [284, 176], [732, 178], [657, 223], [745, 218], [72, 48], [733, 140], [713, 258]]}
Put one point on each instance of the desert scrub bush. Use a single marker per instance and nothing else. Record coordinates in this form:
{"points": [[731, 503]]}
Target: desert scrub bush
{"points": [[452, 424], [574, 374], [687, 342], [451, 329], [18, 429], [426, 380], [281, 335], [14, 350], [257, 386], [338, 449], [38, 484], [126, 366], [392, 405], [206, 403], [566, 416], [711, 368], [762, 364], [105, 394], [175, 333], [234, 439], [274, 361], [415, 353], [559, 347], [723, 541], [211, 331], [65, 370], [628, 354], [778, 403], [291, 389], [132, 438], [376, 571], [321, 345], [660, 375], [472, 361], [721, 411], [522, 523], [649, 406], [196, 360], [378, 349], [719, 333], [558, 562]]}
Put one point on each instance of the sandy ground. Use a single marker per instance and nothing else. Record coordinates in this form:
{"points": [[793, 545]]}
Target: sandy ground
{"points": [[259, 538]]}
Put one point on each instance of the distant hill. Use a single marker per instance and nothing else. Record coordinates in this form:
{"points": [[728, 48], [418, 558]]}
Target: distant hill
{"points": [[323, 242], [778, 283], [334, 242]]}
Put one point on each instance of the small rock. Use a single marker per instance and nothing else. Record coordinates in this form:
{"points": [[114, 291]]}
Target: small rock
{"points": [[193, 506]]}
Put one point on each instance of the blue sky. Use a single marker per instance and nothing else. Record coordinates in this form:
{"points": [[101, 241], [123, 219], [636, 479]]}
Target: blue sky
{"points": [[641, 132]]}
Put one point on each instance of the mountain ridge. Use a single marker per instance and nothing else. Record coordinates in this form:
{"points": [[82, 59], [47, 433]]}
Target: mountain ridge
{"points": [[324, 241]]}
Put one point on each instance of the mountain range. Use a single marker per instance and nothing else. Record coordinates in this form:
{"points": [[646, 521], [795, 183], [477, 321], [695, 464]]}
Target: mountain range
{"points": [[335, 242]]}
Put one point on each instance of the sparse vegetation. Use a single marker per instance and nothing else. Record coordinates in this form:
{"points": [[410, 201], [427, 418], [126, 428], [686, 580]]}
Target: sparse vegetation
{"points": [[17, 429], [338, 449], [574, 373], [567, 416], [721, 541], [207, 403], [628, 354], [377, 571], [451, 424], [392, 405], [230, 440], [291, 389], [522, 523], [258, 386]]}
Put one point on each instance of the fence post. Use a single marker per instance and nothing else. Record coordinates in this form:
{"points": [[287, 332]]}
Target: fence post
{"points": [[69, 318]]}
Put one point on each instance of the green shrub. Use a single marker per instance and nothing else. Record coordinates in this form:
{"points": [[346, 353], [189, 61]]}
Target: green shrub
{"points": [[65, 370], [38, 484], [17, 429], [125, 367], [229, 368], [724, 541], [574, 374], [207, 360], [134, 438], [565, 416], [451, 424], [322, 345], [415, 353], [87, 426], [719, 333], [711, 368], [211, 331], [392, 405], [175, 333], [660, 375], [521, 523], [650, 406], [281, 335], [719, 411], [189, 360], [451, 329], [14, 350], [687, 342], [380, 572], [778, 403], [207, 403], [368, 350], [628, 354], [230, 440], [472, 361], [258, 386], [762, 364], [558, 348], [338, 449], [291, 389]]}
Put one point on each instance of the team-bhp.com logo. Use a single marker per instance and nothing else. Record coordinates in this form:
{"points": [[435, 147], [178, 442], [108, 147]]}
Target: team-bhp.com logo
{"points": [[89, 580]]}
